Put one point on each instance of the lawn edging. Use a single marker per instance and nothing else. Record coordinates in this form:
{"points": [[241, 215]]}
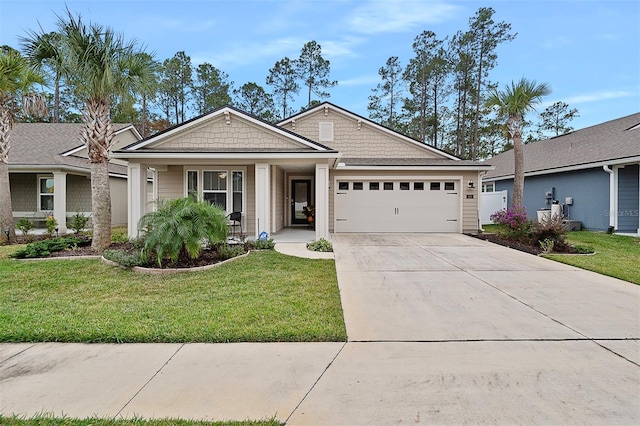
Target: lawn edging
{"points": [[167, 271]]}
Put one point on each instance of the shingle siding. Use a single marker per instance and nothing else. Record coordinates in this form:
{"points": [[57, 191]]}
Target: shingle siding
{"points": [[79, 193], [356, 140], [236, 135], [24, 192]]}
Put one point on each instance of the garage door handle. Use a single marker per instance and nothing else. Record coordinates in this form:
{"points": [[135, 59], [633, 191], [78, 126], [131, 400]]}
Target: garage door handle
{"points": [[340, 193]]}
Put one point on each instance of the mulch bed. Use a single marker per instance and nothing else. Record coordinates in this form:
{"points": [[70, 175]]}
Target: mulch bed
{"points": [[207, 257], [559, 247]]}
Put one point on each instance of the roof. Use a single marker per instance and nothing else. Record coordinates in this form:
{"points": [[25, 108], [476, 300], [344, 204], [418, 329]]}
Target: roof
{"points": [[39, 145], [613, 142]]}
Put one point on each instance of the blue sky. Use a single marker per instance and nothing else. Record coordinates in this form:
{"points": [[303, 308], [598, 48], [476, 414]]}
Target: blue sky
{"points": [[588, 51]]}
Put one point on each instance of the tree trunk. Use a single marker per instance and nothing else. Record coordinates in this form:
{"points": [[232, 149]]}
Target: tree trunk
{"points": [[6, 211], [100, 206], [518, 165]]}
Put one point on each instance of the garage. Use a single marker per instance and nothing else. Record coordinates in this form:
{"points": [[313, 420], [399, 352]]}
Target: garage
{"points": [[397, 205]]}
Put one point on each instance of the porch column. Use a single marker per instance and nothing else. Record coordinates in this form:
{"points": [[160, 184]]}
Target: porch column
{"points": [[322, 201], [136, 196], [263, 199], [60, 200]]}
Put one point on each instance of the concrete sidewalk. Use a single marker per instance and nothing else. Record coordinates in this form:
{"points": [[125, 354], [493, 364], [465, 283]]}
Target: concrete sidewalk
{"points": [[443, 329]]}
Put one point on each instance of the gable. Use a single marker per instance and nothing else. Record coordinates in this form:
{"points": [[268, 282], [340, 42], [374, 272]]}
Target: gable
{"points": [[355, 137], [227, 132]]}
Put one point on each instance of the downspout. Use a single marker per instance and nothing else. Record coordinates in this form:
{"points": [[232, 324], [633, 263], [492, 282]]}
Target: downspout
{"points": [[613, 199]]}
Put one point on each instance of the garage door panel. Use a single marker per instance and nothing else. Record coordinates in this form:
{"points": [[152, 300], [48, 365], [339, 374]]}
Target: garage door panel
{"points": [[397, 210]]}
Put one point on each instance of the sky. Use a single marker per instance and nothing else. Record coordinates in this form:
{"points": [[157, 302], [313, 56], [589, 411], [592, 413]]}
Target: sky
{"points": [[587, 51]]}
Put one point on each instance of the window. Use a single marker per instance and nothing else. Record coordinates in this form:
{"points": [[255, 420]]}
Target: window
{"points": [[434, 186], [237, 192], [404, 186], [449, 186], [343, 186], [374, 186], [45, 193], [418, 186], [223, 188], [358, 186], [388, 186], [488, 187], [214, 188]]}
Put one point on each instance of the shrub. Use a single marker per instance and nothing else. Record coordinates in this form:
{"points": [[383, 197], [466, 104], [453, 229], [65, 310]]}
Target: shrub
{"points": [[128, 260], [25, 225], [181, 227], [51, 224], [320, 245], [119, 235], [512, 223], [552, 229], [583, 249], [79, 222], [263, 244], [45, 247], [228, 251]]}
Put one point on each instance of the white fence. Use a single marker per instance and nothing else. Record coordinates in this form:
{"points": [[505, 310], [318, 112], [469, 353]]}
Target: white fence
{"points": [[491, 203]]}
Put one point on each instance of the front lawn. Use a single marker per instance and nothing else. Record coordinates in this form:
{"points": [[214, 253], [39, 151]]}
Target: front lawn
{"points": [[265, 297], [616, 255]]}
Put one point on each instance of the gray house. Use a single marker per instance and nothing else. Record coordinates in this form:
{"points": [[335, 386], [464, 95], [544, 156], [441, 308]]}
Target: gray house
{"points": [[591, 174], [50, 173]]}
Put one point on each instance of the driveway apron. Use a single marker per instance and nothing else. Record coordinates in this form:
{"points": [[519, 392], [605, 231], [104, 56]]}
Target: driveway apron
{"points": [[449, 329]]}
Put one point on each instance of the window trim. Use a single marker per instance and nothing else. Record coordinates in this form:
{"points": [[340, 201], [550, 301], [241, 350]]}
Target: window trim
{"points": [[40, 194]]}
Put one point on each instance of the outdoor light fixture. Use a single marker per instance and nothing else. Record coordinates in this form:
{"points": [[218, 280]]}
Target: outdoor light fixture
{"points": [[57, 232], [6, 232], [470, 183]]}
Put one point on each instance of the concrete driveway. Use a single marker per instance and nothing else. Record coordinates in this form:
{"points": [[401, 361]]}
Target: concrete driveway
{"points": [[448, 329]]}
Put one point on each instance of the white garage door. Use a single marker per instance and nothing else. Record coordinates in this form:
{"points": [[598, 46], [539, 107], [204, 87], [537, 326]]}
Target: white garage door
{"points": [[397, 205]]}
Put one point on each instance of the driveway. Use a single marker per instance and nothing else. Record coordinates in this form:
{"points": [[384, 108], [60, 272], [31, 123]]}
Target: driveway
{"points": [[448, 329]]}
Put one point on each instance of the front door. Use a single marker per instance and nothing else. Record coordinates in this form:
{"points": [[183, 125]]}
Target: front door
{"points": [[300, 198]]}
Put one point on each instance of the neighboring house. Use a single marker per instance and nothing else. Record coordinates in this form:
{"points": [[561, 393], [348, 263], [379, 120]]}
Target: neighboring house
{"points": [[592, 173], [356, 175], [50, 173]]}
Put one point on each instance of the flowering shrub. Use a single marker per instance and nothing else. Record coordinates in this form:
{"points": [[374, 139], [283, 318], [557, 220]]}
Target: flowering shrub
{"points": [[513, 222]]}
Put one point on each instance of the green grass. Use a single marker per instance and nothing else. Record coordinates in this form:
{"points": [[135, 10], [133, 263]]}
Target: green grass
{"points": [[264, 297], [616, 255], [62, 421]]}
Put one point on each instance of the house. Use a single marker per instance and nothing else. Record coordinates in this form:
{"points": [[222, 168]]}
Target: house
{"points": [[50, 173], [354, 174], [592, 174]]}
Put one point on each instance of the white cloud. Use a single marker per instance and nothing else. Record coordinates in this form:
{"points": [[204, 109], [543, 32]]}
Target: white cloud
{"points": [[385, 16], [598, 96], [364, 80]]}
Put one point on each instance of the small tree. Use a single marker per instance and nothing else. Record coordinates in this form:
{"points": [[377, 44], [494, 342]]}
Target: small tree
{"points": [[180, 228]]}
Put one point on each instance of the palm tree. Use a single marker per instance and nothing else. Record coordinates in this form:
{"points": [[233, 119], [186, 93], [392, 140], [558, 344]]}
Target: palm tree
{"points": [[512, 104], [46, 49], [17, 79], [101, 66]]}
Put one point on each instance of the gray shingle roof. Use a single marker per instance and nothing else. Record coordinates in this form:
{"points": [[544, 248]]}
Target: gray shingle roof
{"points": [[41, 144], [613, 141]]}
